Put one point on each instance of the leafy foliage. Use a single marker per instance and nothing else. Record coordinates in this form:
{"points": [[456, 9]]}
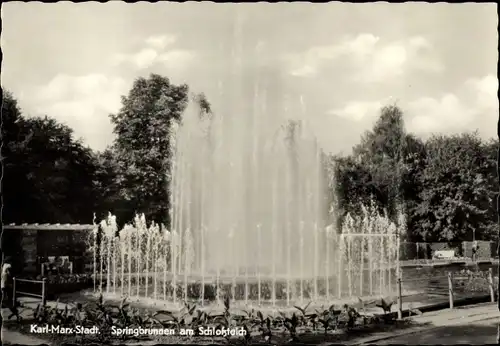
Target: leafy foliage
{"points": [[143, 127], [258, 327], [48, 175], [143, 148], [456, 198], [444, 185]]}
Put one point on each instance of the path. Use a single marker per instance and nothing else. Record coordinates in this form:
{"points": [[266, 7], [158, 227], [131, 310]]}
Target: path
{"points": [[478, 333], [12, 337], [444, 262], [476, 325], [29, 305]]}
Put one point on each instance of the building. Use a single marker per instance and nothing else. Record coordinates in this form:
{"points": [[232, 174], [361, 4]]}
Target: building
{"points": [[30, 245]]}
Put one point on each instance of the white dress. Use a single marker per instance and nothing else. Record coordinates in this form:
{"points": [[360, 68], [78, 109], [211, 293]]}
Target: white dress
{"points": [[5, 274]]}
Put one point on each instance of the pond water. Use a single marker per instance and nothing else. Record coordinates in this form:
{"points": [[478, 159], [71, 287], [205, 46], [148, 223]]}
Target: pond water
{"points": [[467, 278]]}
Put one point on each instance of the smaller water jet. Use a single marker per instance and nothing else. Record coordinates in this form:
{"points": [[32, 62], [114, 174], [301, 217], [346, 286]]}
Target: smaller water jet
{"points": [[142, 260]]}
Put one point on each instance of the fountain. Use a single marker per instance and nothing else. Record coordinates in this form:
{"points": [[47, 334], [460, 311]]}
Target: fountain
{"points": [[248, 215], [248, 222]]}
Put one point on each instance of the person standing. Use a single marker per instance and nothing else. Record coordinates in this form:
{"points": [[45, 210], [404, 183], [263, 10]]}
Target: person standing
{"points": [[6, 282], [474, 251]]}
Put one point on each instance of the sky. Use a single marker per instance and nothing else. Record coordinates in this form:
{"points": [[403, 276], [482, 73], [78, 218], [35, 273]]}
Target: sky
{"points": [[334, 65]]}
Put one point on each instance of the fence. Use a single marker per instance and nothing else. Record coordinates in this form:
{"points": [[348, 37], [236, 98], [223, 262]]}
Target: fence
{"points": [[15, 290], [447, 289]]}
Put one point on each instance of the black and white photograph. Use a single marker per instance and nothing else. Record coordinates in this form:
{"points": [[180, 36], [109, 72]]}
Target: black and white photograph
{"points": [[287, 173]]}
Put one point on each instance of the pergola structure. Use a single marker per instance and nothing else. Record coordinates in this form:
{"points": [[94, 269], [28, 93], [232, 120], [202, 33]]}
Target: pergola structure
{"points": [[30, 245]]}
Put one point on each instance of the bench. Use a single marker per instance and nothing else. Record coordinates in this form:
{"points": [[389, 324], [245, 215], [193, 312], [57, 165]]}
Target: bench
{"points": [[444, 254]]}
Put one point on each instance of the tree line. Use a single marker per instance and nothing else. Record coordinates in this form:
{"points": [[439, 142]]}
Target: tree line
{"points": [[446, 185]]}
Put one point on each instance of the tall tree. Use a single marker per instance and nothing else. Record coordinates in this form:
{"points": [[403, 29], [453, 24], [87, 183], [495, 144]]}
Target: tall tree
{"points": [[491, 151], [386, 138], [107, 185], [413, 163], [48, 175], [13, 143], [143, 144], [354, 184], [456, 197], [382, 151]]}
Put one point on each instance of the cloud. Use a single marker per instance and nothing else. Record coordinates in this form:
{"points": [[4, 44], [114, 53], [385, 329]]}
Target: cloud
{"points": [[156, 53], [360, 110], [474, 105], [445, 113], [304, 71], [160, 42], [385, 63], [83, 103], [143, 59], [396, 58], [308, 63], [176, 59], [147, 57], [361, 46], [371, 59], [66, 87], [486, 91]]}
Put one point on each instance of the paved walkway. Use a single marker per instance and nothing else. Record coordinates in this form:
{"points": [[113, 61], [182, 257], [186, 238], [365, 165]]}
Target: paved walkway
{"points": [[29, 305], [445, 327], [10, 337], [477, 333], [459, 315]]}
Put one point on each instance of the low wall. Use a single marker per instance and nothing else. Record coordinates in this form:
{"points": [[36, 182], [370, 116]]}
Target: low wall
{"points": [[415, 251], [486, 249]]}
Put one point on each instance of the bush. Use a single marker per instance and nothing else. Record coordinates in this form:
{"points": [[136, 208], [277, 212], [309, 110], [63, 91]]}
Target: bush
{"points": [[475, 281]]}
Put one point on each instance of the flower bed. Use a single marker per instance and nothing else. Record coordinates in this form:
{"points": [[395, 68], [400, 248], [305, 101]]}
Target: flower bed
{"points": [[332, 324], [67, 284], [469, 281]]}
